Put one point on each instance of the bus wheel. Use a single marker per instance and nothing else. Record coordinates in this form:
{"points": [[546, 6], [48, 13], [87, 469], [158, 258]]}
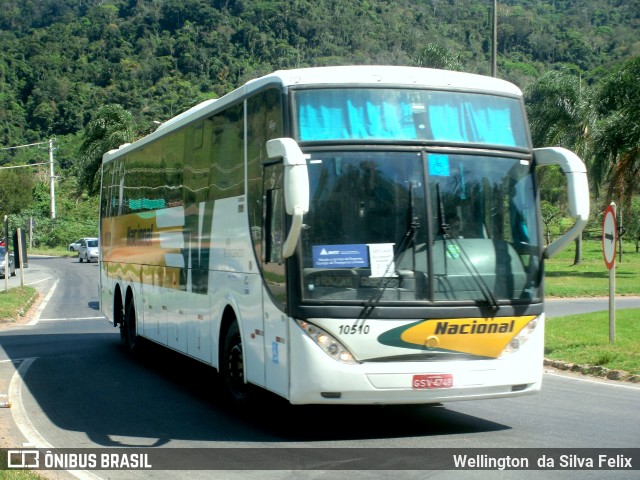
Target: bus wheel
{"points": [[232, 367], [118, 320], [128, 335]]}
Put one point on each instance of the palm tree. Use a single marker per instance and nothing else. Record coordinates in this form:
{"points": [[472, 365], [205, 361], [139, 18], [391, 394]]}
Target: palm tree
{"points": [[616, 158], [562, 114], [111, 127]]}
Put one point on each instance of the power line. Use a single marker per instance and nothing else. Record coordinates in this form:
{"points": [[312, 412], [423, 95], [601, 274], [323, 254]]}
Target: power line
{"points": [[25, 166], [24, 146]]}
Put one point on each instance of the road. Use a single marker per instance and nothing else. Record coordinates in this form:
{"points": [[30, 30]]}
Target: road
{"points": [[73, 387]]}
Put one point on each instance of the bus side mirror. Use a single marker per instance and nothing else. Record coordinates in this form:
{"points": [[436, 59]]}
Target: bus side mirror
{"points": [[577, 191], [296, 186]]}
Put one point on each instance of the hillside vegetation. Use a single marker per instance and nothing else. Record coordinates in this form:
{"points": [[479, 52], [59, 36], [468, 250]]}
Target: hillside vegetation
{"points": [[61, 60]]}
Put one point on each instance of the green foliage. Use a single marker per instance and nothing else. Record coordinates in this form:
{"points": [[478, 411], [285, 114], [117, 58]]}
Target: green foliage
{"points": [[76, 216], [111, 127], [147, 60], [599, 123], [122, 52], [631, 223], [550, 214], [617, 141], [435, 56], [16, 187], [561, 111]]}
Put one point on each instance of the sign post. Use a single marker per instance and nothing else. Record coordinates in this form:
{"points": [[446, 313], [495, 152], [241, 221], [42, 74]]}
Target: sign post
{"points": [[609, 231]]}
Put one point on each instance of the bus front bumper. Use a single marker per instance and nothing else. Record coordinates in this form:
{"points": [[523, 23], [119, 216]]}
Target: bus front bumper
{"points": [[317, 378]]}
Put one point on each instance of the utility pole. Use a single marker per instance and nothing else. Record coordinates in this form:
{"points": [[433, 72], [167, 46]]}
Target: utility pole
{"points": [[53, 185], [7, 273], [494, 41]]}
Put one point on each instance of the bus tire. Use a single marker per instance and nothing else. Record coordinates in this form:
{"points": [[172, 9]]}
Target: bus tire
{"points": [[128, 335], [236, 390]]}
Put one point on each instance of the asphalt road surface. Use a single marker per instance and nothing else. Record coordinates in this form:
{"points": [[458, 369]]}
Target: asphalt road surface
{"points": [[72, 387]]}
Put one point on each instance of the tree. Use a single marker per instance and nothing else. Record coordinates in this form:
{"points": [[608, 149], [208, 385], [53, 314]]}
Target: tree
{"points": [[617, 142], [633, 223], [435, 56], [562, 114], [16, 190], [550, 216], [111, 127]]}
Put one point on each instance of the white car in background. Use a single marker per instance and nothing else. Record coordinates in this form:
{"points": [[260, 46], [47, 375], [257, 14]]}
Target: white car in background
{"points": [[75, 246], [88, 250], [10, 265]]}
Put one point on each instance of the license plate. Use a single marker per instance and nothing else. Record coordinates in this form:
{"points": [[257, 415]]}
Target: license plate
{"points": [[440, 380]]}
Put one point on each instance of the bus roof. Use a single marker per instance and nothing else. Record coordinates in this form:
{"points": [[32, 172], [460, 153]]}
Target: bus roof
{"points": [[386, 75], [355, 75]]}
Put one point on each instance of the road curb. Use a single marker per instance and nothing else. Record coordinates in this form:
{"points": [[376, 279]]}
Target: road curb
{"points": [[593, 371]]}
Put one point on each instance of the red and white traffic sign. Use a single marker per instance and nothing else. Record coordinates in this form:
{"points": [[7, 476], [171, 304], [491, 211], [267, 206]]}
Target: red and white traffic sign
{"points": [[609, 230]]}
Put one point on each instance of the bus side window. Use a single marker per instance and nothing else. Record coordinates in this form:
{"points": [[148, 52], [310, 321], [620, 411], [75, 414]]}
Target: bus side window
{"points": [[274, 233], [274, 223]]}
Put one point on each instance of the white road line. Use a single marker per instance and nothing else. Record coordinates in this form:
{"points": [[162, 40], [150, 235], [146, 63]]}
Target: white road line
{"points": [[22, 421], [20, 416], [39, 281], [43, 304], [67, 319]]}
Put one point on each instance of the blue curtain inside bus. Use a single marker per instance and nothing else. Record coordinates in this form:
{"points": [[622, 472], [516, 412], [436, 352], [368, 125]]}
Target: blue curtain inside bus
{"points": [[352, 115], [473, 122], [383, 114]]}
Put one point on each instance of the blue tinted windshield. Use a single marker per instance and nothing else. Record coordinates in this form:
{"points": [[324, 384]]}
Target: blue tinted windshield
{"points": [[401, 115]]}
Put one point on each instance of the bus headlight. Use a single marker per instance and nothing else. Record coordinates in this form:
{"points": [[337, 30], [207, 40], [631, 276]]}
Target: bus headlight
{"points": [[522, 337], [327, 342]]}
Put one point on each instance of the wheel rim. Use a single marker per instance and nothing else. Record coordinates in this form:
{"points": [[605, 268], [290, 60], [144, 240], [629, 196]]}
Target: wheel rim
{"points": [[235, 370]]}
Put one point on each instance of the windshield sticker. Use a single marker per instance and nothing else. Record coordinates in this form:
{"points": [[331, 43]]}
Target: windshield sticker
{"points": [[453, 251], [439, 165], [340, 256], [382, 264]]}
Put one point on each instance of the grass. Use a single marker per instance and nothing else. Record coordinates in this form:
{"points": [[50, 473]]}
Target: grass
{"points": [[15, 302], [52, 251], [19, 475], [584, 340], [590, 278]]}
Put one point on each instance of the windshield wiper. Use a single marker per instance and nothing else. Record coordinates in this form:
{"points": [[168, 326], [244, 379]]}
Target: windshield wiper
{"points": [[466, 261], [407, 240]]}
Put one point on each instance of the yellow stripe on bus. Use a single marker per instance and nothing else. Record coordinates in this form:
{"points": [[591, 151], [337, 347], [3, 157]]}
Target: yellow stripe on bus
{"points": [[486, 337]]}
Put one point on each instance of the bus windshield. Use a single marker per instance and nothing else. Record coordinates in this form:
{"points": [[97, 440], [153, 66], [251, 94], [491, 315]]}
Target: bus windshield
{"points": [[418, 226], [409, 115]]}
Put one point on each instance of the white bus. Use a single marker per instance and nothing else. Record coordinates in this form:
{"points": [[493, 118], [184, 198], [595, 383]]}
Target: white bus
{"points": [[339, 235]]}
